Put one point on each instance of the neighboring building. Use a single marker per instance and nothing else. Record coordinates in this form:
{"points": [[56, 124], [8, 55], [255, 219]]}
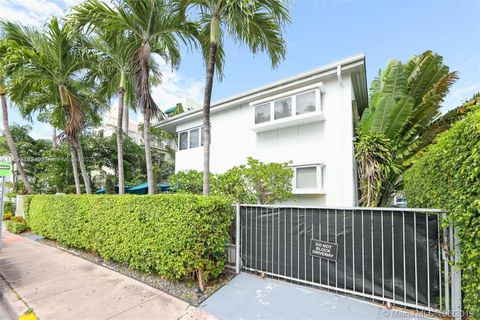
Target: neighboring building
{"points": [[109, 127], [307, 119]]}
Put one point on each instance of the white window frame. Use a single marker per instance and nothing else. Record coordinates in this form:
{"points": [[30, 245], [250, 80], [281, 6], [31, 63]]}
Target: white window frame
{"points": [[317, 88], [200, 137], [320, 172]]}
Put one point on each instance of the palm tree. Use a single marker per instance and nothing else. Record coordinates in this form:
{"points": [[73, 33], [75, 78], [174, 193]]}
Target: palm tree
{"points": [[155, 27], [405, 100], [258, 24], [113, 71], [6, 129], [51, 62]]}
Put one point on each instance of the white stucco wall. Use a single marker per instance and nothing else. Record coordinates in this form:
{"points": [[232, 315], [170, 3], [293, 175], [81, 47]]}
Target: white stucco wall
{"points": [[327, 142]]}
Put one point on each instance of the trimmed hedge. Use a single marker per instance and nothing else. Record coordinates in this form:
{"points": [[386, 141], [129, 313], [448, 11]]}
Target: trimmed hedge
{"points": [[172, 235], [15, 226], [448, 176]]}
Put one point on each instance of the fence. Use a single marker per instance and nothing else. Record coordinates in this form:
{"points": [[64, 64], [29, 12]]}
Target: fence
{"points": [[398, 256]]}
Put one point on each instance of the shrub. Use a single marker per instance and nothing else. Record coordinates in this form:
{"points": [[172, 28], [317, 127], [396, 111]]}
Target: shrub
{"points": [[8, 206], [26, 205], [16, 226], [255, 182], [448, 176], [174, 235], [19, 219], [187, 181], [7, 216]]}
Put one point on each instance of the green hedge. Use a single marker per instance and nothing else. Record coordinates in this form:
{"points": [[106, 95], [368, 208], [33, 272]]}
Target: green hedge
{"points": [[448, 176], [15, 226], [172, 235]]}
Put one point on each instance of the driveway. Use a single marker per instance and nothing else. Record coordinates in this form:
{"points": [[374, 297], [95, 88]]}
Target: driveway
{"points": [[250, 297]]}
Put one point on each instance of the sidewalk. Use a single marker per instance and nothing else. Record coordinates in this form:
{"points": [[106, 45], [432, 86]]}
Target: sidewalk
{"points": [[58, 285]]}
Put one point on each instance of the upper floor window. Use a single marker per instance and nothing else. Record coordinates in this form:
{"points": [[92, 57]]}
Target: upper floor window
{"points": [[283, 108], [191, 138], [294, 105], [262, 113], [306, 102]]}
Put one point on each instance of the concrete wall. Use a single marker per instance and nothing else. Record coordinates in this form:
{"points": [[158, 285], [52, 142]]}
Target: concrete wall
{"points": [[328, 142]]}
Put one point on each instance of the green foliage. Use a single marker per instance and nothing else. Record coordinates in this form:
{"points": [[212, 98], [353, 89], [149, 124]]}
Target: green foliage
{"points": [[375, 164], [8, 206], [172, 235], [447, 176], [255, 182], [15, 226], [8, 215], [405, 100], [26, 205], [187, 181]]}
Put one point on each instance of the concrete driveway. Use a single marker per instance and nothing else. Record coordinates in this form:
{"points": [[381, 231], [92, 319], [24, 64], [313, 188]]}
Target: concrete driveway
{"points": [[250, 297]]}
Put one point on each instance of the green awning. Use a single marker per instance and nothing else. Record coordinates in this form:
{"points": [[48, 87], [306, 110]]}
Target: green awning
{"points": [[171, 109]]}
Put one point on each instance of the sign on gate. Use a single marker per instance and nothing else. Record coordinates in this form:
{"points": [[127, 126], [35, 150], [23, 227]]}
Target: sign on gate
{"points": [[323, 249]]}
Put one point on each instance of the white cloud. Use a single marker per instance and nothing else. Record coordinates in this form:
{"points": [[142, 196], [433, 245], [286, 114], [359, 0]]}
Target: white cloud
{"points": [[458, 95], [174, 87], [465, 90], [32, 12]]}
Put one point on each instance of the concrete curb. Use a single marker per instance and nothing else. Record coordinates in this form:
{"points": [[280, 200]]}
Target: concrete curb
{"points": [[10, 301]]}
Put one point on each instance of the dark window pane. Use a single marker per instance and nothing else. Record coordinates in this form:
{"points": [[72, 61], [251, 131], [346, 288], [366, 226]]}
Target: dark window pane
{"points": [[262, 113], [306, 102], [183, 140], [194, 138], [283, 108]]}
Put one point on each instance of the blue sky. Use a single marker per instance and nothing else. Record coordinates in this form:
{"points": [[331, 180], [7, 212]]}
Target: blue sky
{"points": [[321, 32]]}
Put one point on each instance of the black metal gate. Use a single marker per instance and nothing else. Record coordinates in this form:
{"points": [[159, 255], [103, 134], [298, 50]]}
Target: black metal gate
{"points": [[386, 254]]}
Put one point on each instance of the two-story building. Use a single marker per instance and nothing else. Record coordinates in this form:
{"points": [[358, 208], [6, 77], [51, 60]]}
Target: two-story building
{"points": [[307, 119]]}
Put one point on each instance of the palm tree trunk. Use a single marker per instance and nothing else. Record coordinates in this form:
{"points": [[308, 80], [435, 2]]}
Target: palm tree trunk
{"points": [[83, 168], [54, 137], [121, 178], [126, 118], [206, 117], [12, 146], [148, 151], [73, 156]]}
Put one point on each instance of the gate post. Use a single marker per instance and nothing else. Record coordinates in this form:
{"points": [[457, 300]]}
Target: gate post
{"points": [[456, 277], [237, 239]]}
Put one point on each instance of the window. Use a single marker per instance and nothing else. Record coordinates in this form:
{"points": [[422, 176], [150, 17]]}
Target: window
{"points": [[288, 107], [262, 113], [306, 177], [189, 139], [306, 102], [309, 178], [183, 137], [283, 108], [194, 138]]}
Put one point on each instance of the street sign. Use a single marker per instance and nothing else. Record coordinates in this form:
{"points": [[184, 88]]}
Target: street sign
{"points": [[5, 169]]}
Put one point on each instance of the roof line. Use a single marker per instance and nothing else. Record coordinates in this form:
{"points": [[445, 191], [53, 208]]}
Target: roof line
{"points": [[331, 66]]}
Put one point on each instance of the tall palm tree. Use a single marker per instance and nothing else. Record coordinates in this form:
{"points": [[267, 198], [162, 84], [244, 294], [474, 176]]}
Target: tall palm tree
{"points": [[156, 26], [258, 24], [53, 60], [6, 129], [113, 71]]}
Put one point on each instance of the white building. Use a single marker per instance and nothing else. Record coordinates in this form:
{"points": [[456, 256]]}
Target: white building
{"points": [[307, 119], [109, 127]]}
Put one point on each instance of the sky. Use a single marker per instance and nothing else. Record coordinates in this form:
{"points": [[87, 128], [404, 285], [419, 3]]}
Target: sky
{"points": [[321, 32]]}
